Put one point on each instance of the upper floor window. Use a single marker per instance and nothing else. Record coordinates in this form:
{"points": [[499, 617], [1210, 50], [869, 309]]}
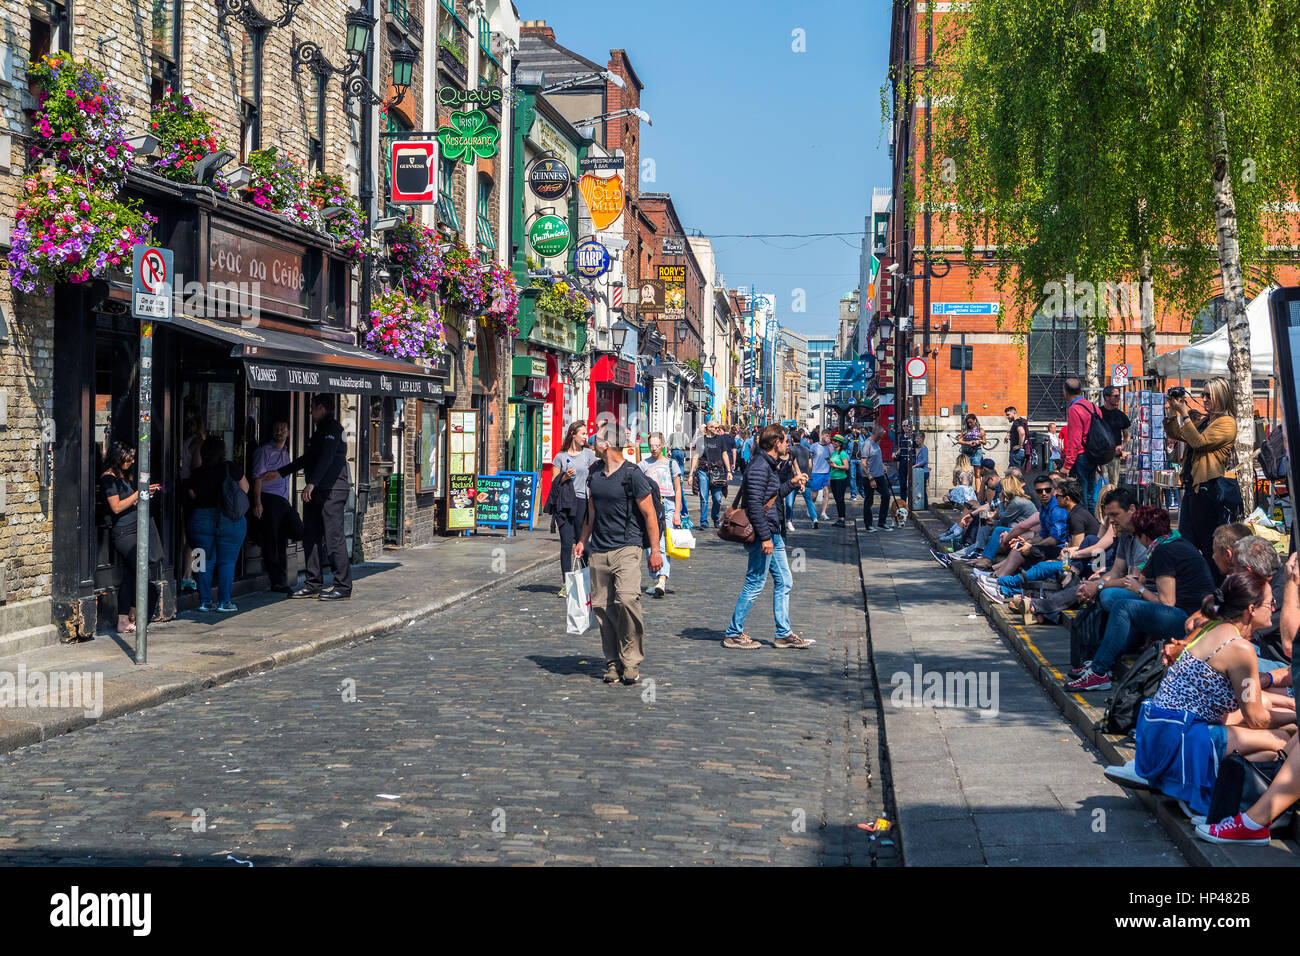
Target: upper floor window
{"points": [[250, 92], [486, 237], [316, 120], [446, 205], [165, 47], [48, 26]]}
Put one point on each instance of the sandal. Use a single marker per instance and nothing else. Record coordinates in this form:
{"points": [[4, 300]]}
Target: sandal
{"points": [[1017, 603], [740, 642], [128, 629]]}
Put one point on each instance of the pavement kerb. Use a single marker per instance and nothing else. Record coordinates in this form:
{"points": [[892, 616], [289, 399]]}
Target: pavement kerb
{"points": [[32, 732], [1084, 717]]}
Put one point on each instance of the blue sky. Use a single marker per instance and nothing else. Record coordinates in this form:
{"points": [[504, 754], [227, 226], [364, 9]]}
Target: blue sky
{"points": [[751, 137]]}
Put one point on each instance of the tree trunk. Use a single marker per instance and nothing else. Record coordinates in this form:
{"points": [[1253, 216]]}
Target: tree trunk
{"points": [[1147, 299], [1095, 343], [1239, 373]]}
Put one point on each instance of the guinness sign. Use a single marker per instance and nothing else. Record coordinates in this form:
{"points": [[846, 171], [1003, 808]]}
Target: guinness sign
{"points": [[549, 179]]}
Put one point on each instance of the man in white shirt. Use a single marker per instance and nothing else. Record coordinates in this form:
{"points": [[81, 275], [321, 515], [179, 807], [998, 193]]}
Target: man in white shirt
{"points": [[820, 478]]}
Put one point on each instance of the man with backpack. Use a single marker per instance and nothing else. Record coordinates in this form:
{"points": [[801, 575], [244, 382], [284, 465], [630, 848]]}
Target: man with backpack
{"points": [[1089, 444], [1017, 438], [763, 495], [621, 523], [325, 497]]}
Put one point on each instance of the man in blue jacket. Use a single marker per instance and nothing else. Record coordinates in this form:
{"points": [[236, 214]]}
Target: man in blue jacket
{"points": [[764, 493]]}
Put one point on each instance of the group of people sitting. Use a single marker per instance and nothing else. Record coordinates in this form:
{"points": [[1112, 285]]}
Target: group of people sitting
{"points": [[1227, 687]]}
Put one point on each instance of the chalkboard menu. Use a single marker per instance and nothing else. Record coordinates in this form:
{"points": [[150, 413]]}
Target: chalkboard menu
{"points": [[526, 485], [494, 500]]}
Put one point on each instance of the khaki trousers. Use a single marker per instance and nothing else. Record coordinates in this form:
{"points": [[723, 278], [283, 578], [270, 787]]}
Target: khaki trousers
{"points": [[616, 602]]}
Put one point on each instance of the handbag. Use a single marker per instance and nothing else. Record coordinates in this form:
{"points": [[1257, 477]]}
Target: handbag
{"points": [[1240, 784], [735, 524], [676, 550], [578, 602]]}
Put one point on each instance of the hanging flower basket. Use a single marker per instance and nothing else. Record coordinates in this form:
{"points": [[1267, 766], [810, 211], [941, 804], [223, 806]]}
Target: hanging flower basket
{"points": [[465, 282], [185, 135], [68, 231], [404, 327], [503, 310], [348, 229], [562, 300], [277, 185], [413, 259], [81, 121]]}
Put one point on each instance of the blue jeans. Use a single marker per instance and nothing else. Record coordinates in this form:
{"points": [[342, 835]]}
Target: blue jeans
{"points": [[1129, 622], [1089, 477], [1016, 459], [991, 551], [670, 509], [220, 539], [854, 466], [1042, 571], [1107, 598], [807, 500], [707, 492], [755, 578]]}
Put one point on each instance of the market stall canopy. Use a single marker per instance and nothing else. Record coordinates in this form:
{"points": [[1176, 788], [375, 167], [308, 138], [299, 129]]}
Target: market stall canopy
{"points": [[1209, 356], [283, 361]]}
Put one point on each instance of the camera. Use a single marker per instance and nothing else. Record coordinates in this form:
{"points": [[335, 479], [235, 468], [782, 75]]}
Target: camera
{"points": [[1177, 392]]}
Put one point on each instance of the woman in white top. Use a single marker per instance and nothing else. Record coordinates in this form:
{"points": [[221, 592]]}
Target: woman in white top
{"points": [[666, 474], [572, 464]]}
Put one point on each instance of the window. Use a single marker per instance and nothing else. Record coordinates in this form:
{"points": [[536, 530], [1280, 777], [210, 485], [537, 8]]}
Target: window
{"points": [[166, 47], [316, 121], [486, 237], [48, 27], [485, 36], [428, 448], [1056, 351], [250, 93], [446, 206], [449, 6]]}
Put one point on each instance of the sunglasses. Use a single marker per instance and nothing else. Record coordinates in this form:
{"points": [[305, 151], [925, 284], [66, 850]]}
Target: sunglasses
{"points": [[1044, 491]]}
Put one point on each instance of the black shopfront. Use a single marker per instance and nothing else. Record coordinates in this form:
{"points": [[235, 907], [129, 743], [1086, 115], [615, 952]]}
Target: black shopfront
{"points": [[262, 320]]}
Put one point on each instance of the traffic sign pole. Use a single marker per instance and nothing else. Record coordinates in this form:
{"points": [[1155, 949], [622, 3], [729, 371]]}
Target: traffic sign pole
{"points": [[142, 526]]}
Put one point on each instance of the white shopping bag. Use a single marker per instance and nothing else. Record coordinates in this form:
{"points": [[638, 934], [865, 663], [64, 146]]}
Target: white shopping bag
{"points": [[682, 537], [578, 583]]}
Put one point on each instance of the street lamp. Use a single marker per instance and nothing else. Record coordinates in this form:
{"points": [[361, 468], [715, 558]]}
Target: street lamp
{"points": [[356, 84], [246, 12]]}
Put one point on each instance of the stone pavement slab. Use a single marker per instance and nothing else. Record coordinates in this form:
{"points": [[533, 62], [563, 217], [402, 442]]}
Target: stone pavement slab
{"points": [[983, 773]]}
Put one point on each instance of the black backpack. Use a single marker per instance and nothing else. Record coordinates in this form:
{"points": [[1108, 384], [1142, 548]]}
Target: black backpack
{"points": [[629, 489], [1099, 443], [1271, 454], [234, 500], [1141, 682]]}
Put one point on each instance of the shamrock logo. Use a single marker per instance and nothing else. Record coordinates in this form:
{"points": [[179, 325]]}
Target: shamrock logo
{"points": [[468, 137]]}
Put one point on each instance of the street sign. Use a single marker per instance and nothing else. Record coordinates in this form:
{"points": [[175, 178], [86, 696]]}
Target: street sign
{"points": [[840, 375], [412, 172], [919, 386], [1119, 375], [151, 283], [965, 308], [604, 197], [916, 368], [549, 236], [549, 178], [590, 259]]}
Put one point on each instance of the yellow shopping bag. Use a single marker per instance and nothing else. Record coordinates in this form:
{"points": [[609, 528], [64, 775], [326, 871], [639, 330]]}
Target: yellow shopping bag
{"points": [[677, 551]]}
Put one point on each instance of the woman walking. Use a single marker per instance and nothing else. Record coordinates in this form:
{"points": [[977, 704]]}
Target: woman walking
{"points": [[568, 499], [119, 492], [211, 529], [839, 477], [666, 476]]}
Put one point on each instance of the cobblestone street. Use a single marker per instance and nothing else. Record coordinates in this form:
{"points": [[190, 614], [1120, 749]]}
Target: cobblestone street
{"points": [[484, 734]]}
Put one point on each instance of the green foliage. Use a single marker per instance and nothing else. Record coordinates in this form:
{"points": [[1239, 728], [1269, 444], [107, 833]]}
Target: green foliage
{"points": [[1079, 137]]}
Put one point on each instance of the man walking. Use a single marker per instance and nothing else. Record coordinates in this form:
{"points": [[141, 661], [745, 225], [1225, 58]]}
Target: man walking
{"points": [[270, 505], [1119, 424], [1078, 418], [711, 451], [1017, 438], [820, 479], [763, 493], [324, 496], [620, 522]]}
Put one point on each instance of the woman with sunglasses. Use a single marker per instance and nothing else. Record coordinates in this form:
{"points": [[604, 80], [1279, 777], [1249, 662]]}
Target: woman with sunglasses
{"points": [[1210, 498], [568, 499], [1209, 703]]}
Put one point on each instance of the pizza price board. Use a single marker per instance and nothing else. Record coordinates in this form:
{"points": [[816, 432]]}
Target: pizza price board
{"points": [[494, 501], [524, 508]]}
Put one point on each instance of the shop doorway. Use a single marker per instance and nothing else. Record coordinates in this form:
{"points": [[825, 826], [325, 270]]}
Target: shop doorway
{"points": [[527, 436]]}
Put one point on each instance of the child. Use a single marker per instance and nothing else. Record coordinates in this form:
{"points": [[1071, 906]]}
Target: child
{"points": [[957, 533]]}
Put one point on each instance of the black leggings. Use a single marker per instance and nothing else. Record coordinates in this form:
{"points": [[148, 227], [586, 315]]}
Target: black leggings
{"points": [[570, 530], [869, 493], [838, 487], [125, 547]]}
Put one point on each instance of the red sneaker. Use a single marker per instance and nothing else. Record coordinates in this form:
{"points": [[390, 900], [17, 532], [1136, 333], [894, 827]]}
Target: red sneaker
{"points": [[1233, 831], [1090, 681]]}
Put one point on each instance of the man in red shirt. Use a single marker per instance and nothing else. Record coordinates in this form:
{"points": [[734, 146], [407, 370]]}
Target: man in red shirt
{"points": [[1078, 419]]}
